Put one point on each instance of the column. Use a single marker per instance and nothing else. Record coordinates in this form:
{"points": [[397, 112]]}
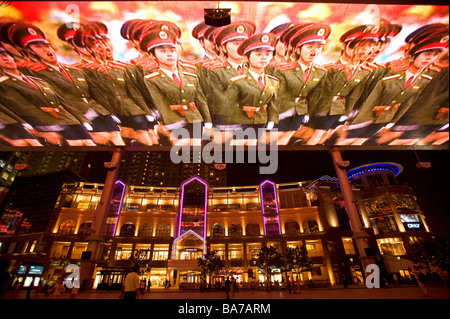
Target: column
{"points": [[359, 235], [98, 225]]}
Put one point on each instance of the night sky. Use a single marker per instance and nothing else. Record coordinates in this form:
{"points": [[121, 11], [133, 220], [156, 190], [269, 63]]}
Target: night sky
{"points": [[430, 186]]}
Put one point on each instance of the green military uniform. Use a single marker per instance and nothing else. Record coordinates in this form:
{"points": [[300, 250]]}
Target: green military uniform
{"points": [[185, 103], [40, 107], [389, 97], [337, 95], [218, 73], [11, 126], [293, 94], [249, 103], [76, 92], [430, 111]]}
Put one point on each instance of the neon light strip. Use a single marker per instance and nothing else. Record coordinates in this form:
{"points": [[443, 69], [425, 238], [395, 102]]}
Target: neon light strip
{"points": [[181, 213], [120, 205], [276, 204]]}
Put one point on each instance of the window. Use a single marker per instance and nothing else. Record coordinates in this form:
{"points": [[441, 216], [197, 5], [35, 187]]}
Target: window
{"points": [[67, 227], [292, 227], [218, 230], [163, 230], [349, 248], [85, 229], [310, 226], [127, 230], [252, 229], [235, 230], [391, 246], [160, 253], [146, 230]]}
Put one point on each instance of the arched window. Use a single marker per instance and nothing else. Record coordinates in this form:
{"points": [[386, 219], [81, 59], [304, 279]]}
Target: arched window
{"points": [[67, 227], [218, 230], [85, 229], [310, 226], [252, 229], [292, 227], [127, 230], [163, 230], [235, 230], [146, 230]]}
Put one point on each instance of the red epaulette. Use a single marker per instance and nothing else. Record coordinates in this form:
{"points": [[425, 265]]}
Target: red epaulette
{"points": [[336, 66], [25, 63], [369, 67], [37, 66], [117, 65], [287, 66], [187, 64], [200, 60], [435, 67], [148, 64], [208, 62], [399, 65], [214, 65]]}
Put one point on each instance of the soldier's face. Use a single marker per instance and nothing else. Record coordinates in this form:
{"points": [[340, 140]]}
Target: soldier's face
{"points": [[231, 47], [425, 58], [310, 51], [166, 55], [6, 61], [260, 58], [45, 52], [280, 48], [363, 50], [209, 47]]}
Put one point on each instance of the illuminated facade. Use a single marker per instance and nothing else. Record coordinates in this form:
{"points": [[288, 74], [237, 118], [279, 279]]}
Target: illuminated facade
{"points": [[165, 229]]}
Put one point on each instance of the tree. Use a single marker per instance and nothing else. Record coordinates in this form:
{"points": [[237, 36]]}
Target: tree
{"points": [[210, 264], [296, 259], [267, 259]]}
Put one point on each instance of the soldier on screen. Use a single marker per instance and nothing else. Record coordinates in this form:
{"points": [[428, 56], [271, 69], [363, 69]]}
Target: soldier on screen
{"points": [[173, 88], [227, 39], [395, 93], [280, 46], [252, 96], [13, 130], [108, 79], [298, 79], [38, 104], [333, 101], [70, 83]]}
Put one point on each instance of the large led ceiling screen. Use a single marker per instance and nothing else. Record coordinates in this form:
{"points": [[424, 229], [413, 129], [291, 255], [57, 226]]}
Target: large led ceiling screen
{"points": [[153, 73]]}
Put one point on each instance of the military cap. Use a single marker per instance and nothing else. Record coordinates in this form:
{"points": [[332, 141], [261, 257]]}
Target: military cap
{"points": [[210, 33], [288, 33], [423, 32], [25, 34], [136, 31], [165, 26], [158, 38], [279, 30], [126, 27], [439, 43], [312, 33], [392, 30], [258, 41], [66, 33], [236, 31], [362, 32], [99, 28], [2, 49], [5, 30], [199, 30], [82, 36]]}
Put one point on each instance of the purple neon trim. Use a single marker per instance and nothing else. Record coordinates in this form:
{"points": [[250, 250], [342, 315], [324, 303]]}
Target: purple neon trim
{"points": [[120, 205], [181, 204], [276, 204]]}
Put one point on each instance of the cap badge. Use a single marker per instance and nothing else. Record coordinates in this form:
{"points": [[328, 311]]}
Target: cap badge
{"points": [[265, 38], [321, 32], [32, 31], [240, 29], [163, 35], [444, 39]]}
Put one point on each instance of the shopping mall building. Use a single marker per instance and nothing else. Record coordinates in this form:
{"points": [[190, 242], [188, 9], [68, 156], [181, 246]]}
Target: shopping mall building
{"points": [[165, 229]]}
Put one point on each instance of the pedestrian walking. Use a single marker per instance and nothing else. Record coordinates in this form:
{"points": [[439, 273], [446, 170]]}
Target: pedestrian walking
{"points": [[235, 286], [420, 283], [130, 290], [58, 289], [288, 283], [227, 287]]}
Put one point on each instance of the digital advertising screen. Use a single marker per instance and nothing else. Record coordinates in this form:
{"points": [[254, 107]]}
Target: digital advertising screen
{"points": [[163, 73]]}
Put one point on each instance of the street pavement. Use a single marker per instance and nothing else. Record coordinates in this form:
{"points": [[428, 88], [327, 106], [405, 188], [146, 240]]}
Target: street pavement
{"points": [[336, 292]]}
